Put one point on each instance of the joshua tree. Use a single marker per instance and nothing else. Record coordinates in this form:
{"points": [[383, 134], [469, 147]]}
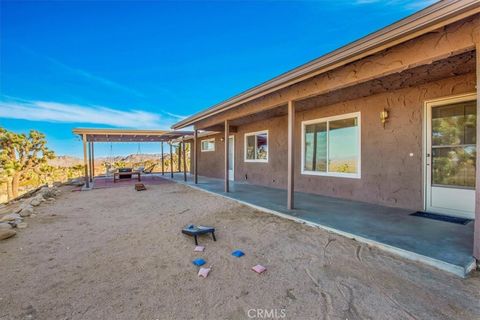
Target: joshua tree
{"points": [[19, 154]]}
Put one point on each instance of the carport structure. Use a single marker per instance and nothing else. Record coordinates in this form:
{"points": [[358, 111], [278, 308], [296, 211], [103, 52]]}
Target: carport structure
{"points": [[90, 135]]}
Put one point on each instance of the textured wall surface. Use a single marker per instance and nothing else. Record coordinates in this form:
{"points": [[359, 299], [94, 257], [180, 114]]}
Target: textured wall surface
{"points": [[390, 176], [211, 163]]}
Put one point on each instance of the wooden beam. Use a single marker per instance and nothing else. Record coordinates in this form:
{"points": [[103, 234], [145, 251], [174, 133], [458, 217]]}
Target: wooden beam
{"points": [[85, 160], [171, 160], [227, 134], [291, 166], [184, 162], [221, 128], [195, 155], [163, 160]]}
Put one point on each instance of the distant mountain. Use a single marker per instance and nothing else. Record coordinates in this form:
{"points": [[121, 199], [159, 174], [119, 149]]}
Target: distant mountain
{"points": [[133, 157], [68, 161], [65, 161]]}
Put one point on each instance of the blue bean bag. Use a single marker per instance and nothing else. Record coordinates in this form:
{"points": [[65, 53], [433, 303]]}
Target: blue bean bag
{"points": [[238, 253], [199, 262]]}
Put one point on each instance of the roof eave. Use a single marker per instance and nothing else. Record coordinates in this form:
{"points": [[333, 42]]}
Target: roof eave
{"points": [[430, 18]]}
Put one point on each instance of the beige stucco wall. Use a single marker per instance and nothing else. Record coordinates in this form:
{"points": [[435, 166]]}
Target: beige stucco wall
{"points": [[211, 163], [390, 176]]}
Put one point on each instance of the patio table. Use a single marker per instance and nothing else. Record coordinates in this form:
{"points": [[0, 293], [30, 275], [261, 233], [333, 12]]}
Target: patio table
{"points": [[118, 175]]}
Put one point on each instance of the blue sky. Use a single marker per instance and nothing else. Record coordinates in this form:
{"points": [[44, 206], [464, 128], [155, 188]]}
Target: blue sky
{"points": [[147, 64]]}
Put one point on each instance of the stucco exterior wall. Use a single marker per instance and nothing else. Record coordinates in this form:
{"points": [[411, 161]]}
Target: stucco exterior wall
{"points": [[211, 163], [390, 176]]}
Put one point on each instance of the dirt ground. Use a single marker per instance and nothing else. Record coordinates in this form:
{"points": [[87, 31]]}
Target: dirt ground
{"points": [[119, 254]]}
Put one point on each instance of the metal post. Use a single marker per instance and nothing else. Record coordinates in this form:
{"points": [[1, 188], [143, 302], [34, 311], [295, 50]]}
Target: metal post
{"points": [[171, 160], [85, 160], [291, 171], [184, 162], [163, 162], [195, 155], [227, 134]]}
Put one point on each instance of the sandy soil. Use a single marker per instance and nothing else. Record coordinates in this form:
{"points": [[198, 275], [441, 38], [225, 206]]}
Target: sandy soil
{"points": [[119, 254]]}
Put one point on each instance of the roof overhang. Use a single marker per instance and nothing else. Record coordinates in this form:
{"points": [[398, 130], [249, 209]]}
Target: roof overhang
{"points": [[431, 18], [127, 135]]}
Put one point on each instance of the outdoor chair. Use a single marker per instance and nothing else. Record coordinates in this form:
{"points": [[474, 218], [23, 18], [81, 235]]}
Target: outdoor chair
{"points": [[149, 169]]}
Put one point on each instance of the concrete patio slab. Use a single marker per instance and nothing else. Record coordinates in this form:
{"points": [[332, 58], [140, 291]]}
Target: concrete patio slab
{"points": [[444, 245]]}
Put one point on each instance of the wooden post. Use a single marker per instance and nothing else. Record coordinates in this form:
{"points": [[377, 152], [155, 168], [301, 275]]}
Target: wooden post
{"points": [[179, 166], [90, 160], [85, 160], [163, 161], [227, 134], [171, 160], [291, 157], [184, 162], [476, 234], [93, 161], [195, 156], [190, 167]]}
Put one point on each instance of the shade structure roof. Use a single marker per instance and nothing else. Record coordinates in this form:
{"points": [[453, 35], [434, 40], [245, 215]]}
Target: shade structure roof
{"points": [[127, 135]]}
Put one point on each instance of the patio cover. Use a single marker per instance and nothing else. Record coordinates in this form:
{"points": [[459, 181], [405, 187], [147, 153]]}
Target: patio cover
{"points": [[127, 135], [89, 136]]}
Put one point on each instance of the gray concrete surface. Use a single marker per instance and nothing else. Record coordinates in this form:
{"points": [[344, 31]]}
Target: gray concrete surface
{"points": [[443, 242]]}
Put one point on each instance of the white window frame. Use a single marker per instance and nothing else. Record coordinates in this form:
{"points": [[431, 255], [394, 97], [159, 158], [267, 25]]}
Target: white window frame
{"points": [[209, 140], [327, 120], [245, 146]]}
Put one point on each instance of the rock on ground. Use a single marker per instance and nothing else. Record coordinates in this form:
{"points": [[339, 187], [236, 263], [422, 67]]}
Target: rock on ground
{"points": [[7, 233], [5, 226], [22, 225], [10, 217], [36, 201], [27, 211]]}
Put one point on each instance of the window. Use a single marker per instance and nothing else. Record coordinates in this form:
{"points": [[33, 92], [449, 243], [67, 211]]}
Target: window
{"points": [[256, 146], [208, 145], [453, 143], [331, 146]]}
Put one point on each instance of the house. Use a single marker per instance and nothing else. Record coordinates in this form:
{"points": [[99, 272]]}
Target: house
{"points": [[389, 119]]}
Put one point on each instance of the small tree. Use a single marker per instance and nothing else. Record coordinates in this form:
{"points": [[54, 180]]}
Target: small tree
{"points": [[20, 153]]}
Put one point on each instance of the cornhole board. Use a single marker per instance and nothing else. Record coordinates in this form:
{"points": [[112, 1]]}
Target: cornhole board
{"points": [[140, 187], [195, 231]]}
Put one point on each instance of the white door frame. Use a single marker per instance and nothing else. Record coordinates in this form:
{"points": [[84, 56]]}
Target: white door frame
{"points": [[231, 173], [427, 146]]}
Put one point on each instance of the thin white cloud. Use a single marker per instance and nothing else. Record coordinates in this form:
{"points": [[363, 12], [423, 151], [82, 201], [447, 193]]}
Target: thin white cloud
{"points": [[84, 74], [73, 113], [177, 116], [91, 77]]}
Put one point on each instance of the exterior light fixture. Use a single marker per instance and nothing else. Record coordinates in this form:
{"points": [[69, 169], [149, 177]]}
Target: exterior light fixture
{"points": [[384, 116]]}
